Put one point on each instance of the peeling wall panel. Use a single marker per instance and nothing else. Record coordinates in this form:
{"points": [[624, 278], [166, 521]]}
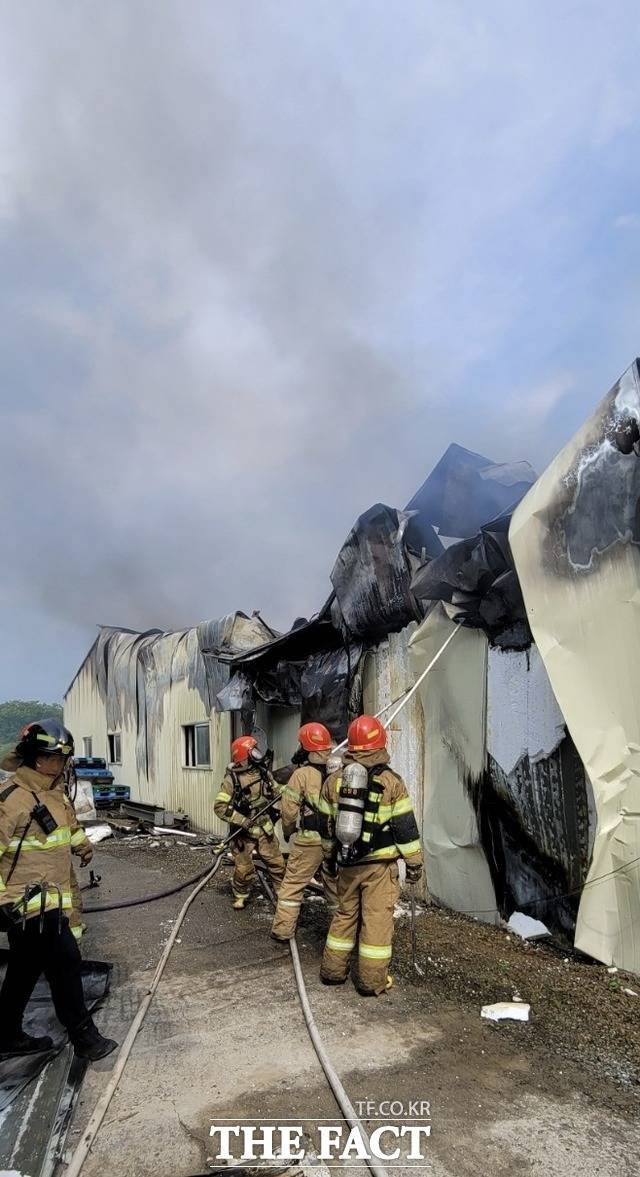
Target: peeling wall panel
{"points": [[576, 544], [531, 801], [452, 700]]}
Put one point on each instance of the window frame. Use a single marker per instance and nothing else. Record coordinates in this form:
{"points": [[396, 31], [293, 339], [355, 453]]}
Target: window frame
{"points": [[190, 745], [112, 748]]}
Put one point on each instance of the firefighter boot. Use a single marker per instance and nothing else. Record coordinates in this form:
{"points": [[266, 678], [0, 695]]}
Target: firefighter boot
{"points": [[240, 902], [89, 1043], [12, 1045]]}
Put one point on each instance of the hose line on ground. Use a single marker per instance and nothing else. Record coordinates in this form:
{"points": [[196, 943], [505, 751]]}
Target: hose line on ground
{"points": [[147, 898], [343, 1101], [93, 1127]]}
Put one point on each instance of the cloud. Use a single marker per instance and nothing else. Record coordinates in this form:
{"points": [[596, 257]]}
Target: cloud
{"points": [[263, 261]]}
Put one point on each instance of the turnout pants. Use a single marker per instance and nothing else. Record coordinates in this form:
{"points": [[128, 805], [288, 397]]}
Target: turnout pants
{"points": [[304, 861], [244, 874], [52, 952], [367, 895]]}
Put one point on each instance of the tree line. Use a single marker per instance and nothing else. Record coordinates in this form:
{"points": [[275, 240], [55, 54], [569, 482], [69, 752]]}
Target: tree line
{"points": [[16, 712]]}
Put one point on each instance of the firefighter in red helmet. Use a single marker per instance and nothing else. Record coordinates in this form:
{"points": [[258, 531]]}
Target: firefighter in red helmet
{"points": [[374, 825], [306, 817], [247, 788]]}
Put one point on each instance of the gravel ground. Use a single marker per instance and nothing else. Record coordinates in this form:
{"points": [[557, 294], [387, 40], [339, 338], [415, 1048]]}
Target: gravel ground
{"points": [[578, 1009], [225, 1037]]}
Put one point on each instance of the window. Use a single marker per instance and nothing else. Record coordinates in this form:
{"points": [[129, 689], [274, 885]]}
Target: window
{"points": [[87, 746], [115, 748], [197, 751]]}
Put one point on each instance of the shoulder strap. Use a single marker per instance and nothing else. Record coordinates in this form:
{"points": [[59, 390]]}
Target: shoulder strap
{"points": [[17, 853], [385, 768]]}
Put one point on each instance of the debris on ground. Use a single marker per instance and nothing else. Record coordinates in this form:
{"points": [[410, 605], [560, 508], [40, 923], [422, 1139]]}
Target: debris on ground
{"points": [[176, 833], [97, 834], [526, 927], [518, 1011], [578, 1010]]}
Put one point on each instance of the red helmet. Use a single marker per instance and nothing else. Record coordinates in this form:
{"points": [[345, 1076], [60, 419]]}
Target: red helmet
{"points": [[315, 737], [242, 747], [366, 734]]}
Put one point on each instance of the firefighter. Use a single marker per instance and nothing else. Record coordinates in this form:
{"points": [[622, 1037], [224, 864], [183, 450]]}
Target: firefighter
{"points": [[305, 816], [38, 833], [374, 826], [247, 788]]}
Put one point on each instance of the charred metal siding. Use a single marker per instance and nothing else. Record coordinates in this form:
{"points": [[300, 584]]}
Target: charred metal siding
{"points": [[192, 789], [576, 544], [148, 687], [84, 712], [532, 800]]}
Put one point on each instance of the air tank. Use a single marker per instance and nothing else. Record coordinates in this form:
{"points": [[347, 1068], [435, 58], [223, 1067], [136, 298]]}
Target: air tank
{"points": [[334, 763], [352, 799]]}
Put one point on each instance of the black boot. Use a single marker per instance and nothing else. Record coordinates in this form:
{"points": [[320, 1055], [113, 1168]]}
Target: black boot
{"points": [[21, 1043], [89, 1043]]}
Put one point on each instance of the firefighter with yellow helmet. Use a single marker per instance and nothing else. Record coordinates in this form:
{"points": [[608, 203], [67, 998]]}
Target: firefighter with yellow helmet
{"points": [[374, 826], [305, 816], [246, 790]]}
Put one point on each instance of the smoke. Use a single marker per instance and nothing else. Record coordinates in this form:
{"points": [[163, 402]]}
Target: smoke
{"points": [[259, 269]]}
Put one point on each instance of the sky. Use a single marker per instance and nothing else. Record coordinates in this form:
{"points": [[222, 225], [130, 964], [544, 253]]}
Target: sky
{"points": [[261, 262]]}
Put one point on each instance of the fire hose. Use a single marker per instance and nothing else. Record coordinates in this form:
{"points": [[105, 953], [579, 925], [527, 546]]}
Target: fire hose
{"points": [[93, 1127], [84, 1145], [333, 1079]]}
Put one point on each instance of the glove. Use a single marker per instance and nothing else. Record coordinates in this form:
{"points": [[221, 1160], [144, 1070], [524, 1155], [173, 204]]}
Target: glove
{"points": [[414, 872], [265, 819], [86, 854]]}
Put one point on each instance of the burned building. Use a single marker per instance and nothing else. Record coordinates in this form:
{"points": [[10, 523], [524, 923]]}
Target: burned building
{"points": [[497, 583]]}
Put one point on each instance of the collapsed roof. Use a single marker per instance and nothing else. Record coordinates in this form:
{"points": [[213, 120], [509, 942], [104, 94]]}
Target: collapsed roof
{"points": [[390, 569], [463, 492]]}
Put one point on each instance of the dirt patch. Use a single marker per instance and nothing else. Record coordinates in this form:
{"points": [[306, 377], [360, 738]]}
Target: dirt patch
{"points": [[578, 1010], [225, 1036]]}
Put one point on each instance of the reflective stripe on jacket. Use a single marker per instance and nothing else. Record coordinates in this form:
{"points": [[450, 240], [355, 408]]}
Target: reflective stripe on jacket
{"points": [[44, 860], [302, 804]]}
